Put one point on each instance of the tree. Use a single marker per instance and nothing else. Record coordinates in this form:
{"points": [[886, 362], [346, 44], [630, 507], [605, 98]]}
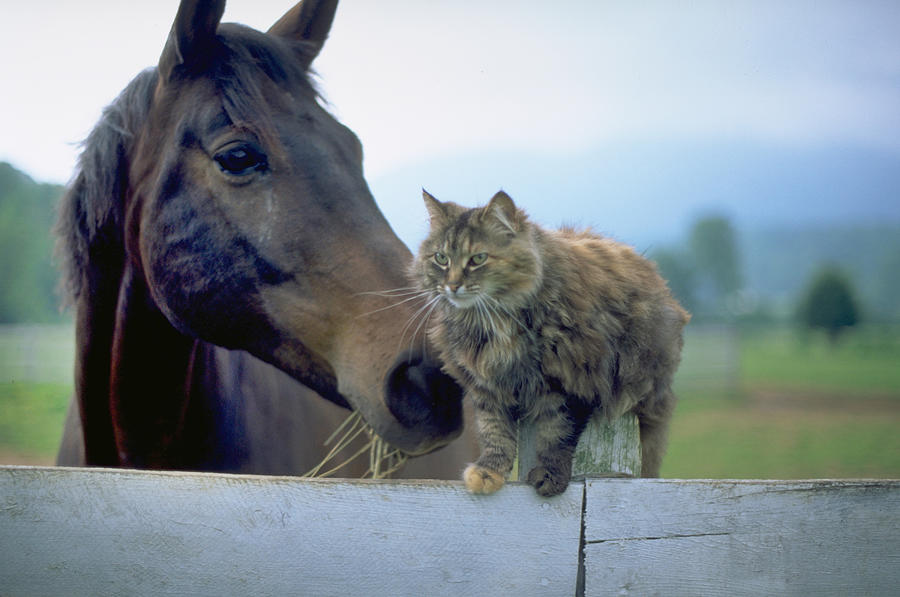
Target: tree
{"points": [[714, 250], [829, 302], [27, 276], [677, 270]]}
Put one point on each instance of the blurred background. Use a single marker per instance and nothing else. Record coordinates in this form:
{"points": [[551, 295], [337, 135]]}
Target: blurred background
{"points": [[752, 149]]}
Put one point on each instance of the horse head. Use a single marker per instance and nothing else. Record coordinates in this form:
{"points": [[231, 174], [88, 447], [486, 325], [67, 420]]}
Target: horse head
{"points": [[237, 214]]}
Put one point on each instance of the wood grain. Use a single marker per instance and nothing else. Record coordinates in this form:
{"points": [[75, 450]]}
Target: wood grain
{"points": [[114, 532], [109, 532], [649, 537], [605, 449]]}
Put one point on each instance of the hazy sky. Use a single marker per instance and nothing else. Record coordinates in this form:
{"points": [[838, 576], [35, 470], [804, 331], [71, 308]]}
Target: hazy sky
{"points": [[427, 78]]}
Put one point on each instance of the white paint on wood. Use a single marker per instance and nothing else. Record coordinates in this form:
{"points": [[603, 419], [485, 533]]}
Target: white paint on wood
{"points": [[654, 537], [109, 532]]}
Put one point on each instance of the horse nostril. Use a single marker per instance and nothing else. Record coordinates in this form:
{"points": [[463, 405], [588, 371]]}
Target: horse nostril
{"points": [[423, 398]]}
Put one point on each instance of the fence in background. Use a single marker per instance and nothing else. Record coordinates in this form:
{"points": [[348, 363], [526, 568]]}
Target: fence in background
{"points": [[45, 353], [37, 353], [711, 358]]}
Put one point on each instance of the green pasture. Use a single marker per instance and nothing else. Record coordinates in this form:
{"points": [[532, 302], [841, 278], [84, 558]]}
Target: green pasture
{"points": [[861, 363], [31, 419], [775, 403], [35, 385], [768, 403]]}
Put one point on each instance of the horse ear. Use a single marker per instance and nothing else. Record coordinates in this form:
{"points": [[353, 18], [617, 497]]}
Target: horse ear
{"points": [[501, 206], [192, 35], [436, 209], [309, 21]]}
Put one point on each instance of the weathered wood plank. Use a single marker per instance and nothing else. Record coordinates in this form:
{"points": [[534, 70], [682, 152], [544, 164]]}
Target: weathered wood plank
{"points": [[649, 537], [88, 532], [110, 532], [609, 448], [605, 449]]}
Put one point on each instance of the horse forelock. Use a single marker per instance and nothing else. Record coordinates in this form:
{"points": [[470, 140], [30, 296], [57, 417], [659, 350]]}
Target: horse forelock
{"points": [[91, 211], [248, 59]]}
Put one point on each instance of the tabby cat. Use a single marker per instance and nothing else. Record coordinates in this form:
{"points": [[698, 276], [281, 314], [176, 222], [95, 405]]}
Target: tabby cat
{"points": [[549, 325]]}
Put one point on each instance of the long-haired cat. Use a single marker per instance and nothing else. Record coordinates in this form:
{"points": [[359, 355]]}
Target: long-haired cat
{"points": [[549, 325]]}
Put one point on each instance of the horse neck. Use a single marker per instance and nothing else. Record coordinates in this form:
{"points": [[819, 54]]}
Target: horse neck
{"points": [[137, 405]]}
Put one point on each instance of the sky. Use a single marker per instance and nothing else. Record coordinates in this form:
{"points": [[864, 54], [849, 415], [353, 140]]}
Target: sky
{"points": [[424, 83]]}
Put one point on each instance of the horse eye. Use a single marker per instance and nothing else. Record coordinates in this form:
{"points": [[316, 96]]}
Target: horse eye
{"points": [[241, 160], [441, 259], [478, 258]]}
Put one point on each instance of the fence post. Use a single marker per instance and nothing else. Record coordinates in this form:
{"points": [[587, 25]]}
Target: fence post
{"points": [[606, 449]]}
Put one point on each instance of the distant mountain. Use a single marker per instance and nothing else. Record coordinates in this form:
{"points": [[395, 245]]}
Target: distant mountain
{"points": [[27, 277], [649, 192], [794, 208]]}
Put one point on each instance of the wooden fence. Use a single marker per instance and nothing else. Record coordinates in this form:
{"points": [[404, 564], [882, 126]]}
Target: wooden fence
{"points": [[111, 532], [119, 532]]}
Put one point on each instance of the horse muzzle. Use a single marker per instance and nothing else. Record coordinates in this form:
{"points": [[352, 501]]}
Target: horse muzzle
{"points": [[425, 401]]}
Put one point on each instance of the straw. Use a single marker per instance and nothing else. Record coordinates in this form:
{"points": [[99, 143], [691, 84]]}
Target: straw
{"points": [[384, 459]]}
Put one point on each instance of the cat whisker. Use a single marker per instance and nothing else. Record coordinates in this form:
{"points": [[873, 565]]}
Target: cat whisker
{"points": [[484, 315], [425, 335], [392, 292], [503, 309], [421, 313], [431, 305], [417, 296]]}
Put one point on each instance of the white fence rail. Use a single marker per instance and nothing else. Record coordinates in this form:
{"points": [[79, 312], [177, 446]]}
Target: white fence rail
{"points": [[114, 532]]}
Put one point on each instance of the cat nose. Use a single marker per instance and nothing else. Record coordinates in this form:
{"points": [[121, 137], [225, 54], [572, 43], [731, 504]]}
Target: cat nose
{"points": [[453, 286]]}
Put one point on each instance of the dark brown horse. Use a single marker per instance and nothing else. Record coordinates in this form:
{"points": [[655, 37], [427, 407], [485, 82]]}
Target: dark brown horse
{"points": [[220, 247]]}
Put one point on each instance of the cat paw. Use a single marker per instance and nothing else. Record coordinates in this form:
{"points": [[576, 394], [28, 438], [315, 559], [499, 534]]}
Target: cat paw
{"points": [[482, 480], [546, 482]]}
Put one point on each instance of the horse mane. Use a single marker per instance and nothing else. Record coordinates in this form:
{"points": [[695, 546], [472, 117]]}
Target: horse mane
{"points": [[91, 212]]}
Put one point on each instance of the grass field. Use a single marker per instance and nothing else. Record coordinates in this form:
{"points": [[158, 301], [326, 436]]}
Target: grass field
{"points": [[35, 386], [31, 420], [753, 404], [788, 406]]}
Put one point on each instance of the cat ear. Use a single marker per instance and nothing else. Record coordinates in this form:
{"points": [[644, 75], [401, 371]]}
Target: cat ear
{"points": [[502, 208], [436, 209]]}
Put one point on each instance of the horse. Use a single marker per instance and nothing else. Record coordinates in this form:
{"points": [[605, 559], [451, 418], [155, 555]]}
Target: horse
{"points": [[233, 282]]}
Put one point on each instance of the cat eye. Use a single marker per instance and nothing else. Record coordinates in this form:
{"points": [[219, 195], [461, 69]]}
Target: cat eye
{"points": [[441, 259], [478, 259]]}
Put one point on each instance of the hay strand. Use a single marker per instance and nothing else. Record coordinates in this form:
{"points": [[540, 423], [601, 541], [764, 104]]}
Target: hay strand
{"points": [[384, 459]]}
